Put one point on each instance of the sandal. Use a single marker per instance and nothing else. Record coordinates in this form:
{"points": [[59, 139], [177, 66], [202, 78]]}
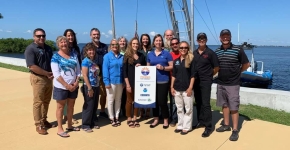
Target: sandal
{"points": [[63, 135], [88, 130], [118, 122], [136, 124], [113, 123], [73, 129], [131, 124]]}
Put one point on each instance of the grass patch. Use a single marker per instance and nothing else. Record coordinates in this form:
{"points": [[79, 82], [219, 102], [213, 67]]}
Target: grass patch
{"points": [[17, 68], [262, 113]]}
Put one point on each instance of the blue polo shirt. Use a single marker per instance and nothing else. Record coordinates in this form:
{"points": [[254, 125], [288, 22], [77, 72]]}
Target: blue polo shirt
{"points": [[163, 58]]}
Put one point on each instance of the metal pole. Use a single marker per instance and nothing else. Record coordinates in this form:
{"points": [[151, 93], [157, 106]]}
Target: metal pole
{"points": [[192, 26], [113, 19]]}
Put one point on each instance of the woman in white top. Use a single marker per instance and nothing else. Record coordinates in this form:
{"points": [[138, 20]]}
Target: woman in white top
{"points": [[66, 71]]}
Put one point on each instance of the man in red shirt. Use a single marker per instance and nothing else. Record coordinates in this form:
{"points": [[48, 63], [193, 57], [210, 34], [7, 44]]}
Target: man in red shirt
{"points": [[174, 44]]}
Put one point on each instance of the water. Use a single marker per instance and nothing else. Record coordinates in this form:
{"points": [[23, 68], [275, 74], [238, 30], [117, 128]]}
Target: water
{"points": [[276, 59]]}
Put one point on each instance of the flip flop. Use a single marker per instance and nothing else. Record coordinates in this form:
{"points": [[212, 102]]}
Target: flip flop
{"points": [[131, 124], [136, 124], [73, 129], [63, 135]]}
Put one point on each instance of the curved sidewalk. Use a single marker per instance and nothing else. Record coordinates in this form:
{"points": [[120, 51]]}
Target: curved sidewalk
{"points": [[17, 130]]}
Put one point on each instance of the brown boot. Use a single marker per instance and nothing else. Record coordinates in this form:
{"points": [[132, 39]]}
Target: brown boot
{"points": [[41, 130]]}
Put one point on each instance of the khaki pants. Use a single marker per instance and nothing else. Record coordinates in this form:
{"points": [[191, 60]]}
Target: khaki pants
{"points": [[42, 90], [183, 101]]}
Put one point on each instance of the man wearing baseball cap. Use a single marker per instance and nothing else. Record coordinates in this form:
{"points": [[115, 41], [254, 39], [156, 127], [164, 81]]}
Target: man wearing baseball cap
{"points": [[233, 61], [206, 65]]}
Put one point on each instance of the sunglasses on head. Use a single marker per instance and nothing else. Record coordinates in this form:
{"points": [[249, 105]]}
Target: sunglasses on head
{"points": [[114, 44], [39, 36], [183, 48]]}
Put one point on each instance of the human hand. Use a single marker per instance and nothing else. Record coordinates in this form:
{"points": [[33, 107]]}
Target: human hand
{"points": [[138, 65], [189, 92], [129, 90], [108, 87], [90, 93], [172, 91]]}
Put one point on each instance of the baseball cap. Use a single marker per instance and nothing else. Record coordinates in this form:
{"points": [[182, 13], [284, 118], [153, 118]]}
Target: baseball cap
{"points": [[201, 34], [225, 31]]}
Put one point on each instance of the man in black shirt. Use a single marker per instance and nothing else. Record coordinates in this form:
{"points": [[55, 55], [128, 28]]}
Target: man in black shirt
{"points": [[233, 61], [206, 65], [38, 56]]}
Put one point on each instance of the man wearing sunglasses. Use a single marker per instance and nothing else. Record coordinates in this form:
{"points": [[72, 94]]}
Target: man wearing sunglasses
{"points": [[206, 66], [233, 61], [174, 43], [38, 56]]}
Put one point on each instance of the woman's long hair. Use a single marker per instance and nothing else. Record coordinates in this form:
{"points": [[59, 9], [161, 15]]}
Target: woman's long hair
{"points": [[130, 52], [74, 44], [148, 46], [189, 57]]}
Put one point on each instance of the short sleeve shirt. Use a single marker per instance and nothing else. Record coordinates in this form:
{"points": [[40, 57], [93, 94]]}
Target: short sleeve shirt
{"points": [[163, 58], [39, 56], [93, 71]]}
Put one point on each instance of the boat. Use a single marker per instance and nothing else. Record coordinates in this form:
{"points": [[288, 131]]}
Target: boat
{"points": [[253, 77]]}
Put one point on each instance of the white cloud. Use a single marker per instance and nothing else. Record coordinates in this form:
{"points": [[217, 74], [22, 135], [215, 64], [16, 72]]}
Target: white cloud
{"points": [[1, 30], [125, 35], [110, 32], [8, 31], [28, 31], [152, 33], [103, 33], [85, 33]]}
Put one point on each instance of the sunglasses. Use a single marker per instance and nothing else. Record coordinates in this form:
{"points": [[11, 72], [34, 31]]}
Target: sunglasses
{"points": [[39, 36], [183, 48], [202, 39], [114, 44], [174, 44]]}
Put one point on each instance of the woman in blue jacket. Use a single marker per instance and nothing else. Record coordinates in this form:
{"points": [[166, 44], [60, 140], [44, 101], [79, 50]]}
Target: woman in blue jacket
{"points": [[113, 79]]}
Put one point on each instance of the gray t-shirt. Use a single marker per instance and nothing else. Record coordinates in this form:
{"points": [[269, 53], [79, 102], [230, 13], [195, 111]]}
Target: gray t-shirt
{"points": [[36, 55]]}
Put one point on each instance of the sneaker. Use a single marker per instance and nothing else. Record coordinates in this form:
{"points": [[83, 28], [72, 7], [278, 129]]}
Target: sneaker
{"points": [[223, 128], [103, 114], [234, 136], [41, 130]]}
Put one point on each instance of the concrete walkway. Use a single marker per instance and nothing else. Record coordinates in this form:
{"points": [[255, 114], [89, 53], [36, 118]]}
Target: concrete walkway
{"points": [[17, 130]]}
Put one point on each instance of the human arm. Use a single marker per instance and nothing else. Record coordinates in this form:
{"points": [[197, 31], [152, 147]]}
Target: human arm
{"points": [[85, 71], [56, 73], [243, 60], [105, 72], [172, 81], [125, 74]]}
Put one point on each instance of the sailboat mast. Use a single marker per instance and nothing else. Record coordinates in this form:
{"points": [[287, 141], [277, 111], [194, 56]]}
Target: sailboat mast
{"points": [[192, 26], [113, 18], [238, 32]]}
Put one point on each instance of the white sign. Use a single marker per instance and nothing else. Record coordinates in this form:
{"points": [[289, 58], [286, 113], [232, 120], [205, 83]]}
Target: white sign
{"points": [[145, 87]]}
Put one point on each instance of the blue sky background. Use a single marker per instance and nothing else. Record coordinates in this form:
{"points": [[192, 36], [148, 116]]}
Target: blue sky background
{"points": [[261, 22]]}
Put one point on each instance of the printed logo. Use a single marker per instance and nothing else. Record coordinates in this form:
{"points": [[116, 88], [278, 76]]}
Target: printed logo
{"points": [[145, 71], [149, 100], [145, 90], [205, 56], [177, 63], [40, 51], [141, 84], [144, 94]]}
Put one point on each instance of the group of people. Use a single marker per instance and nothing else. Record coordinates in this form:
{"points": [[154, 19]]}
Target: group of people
{"points": [[182, 74]]}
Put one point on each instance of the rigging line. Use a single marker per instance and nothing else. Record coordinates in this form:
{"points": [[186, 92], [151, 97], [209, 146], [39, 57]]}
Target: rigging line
{"points": [[137, 10], [179, 3], [206, 24], [165, 14], [211, 19]]}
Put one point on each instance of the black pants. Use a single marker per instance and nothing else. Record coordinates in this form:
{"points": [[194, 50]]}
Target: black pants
{"points": [[123, 102], [161, 100], [202, 91], [90, 107]]}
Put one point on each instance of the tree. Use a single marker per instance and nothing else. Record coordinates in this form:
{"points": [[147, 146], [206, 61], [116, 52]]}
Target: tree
{"points": [[1, 17]]}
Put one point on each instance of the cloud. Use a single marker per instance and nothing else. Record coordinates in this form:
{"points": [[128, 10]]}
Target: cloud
{"points": [[85, 33], [28, 31], [103, 33], [8, 31], [152, 33], [110, 32], [1, 30], [125, 35]]}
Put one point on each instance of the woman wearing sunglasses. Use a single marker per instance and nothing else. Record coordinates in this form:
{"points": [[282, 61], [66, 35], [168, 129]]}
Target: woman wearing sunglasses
{"points": [[182, 86]]}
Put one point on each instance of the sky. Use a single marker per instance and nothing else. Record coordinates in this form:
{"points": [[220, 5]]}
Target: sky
{"points": [[260, 22]]}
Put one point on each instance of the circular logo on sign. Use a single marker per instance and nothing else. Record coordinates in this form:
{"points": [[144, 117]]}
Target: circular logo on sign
{"points": [[141, 84], [145, 90], [145, 71]]}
